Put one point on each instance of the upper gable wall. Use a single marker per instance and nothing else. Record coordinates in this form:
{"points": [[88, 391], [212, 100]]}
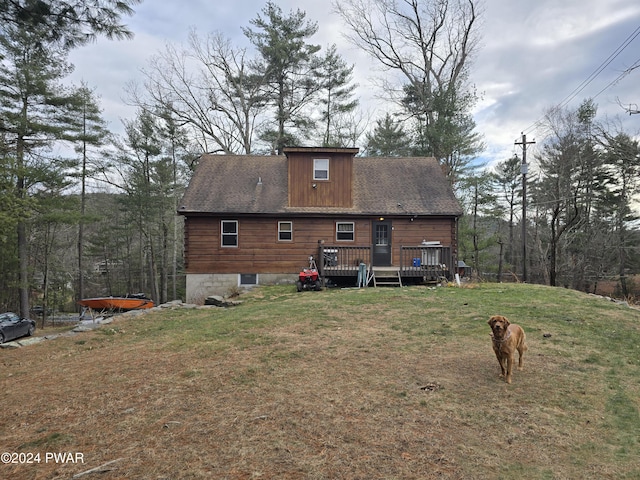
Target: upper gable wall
{"points": [[304, 191]]}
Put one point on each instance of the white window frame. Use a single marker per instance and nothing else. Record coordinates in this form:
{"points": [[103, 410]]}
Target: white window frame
{"points": [[224, 234], [320, 165], [281, 231], [352, 232]]}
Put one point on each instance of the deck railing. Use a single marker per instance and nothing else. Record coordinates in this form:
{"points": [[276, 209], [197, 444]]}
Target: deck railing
{"points": [[342, 260], [431, 262]]}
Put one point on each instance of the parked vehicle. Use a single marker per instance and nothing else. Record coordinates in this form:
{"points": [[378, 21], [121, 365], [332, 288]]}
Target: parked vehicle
{"points": [[309, 278], [39, 310], [12, 327]]}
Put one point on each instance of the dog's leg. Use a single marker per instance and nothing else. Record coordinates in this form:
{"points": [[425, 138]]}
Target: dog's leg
{"points": [[510, 359], [500, 362], [521, 349]]}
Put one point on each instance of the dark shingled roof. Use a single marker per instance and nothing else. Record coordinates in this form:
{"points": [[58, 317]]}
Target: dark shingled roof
{"points": [[258, 184]]}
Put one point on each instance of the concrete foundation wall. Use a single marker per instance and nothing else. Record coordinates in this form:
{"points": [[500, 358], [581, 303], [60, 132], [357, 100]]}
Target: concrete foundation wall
{"points": [[202, 285]]}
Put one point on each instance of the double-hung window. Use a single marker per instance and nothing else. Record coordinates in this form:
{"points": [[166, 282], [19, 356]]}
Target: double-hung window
{"points": [[321, 169], [229, 233], [345, 231], [285, 231]]}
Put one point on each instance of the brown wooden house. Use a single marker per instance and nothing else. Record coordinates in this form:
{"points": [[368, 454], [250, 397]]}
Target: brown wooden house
{"points": [[257, 219]]}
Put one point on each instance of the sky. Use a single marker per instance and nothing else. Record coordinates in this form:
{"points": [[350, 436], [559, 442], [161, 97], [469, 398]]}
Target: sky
{"points": [[532, 56]]}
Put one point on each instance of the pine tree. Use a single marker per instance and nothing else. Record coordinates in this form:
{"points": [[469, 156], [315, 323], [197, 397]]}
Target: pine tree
{"points": [[289, 65], [507, 179], [388, 139], [32, 106], [336, 97], [87, 131], [70, 23]]}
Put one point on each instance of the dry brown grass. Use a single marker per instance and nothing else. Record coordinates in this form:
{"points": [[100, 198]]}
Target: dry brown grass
{"points": [[340, 388]]}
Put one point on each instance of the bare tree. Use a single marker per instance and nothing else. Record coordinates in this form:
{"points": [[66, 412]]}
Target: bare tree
{"points": [[429, 45], [559, 194], [428, 42], [208, 88]]}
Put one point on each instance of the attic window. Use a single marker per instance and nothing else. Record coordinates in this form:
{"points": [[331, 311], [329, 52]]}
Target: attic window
{"points": [[321, 169]]}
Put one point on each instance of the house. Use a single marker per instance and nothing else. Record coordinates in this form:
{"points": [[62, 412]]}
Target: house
{"points": [[253, 219]]}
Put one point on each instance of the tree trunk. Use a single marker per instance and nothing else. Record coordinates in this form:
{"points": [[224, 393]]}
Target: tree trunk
{"points": [[24, 270], [83, 204], [23, 249], [500, 261]]}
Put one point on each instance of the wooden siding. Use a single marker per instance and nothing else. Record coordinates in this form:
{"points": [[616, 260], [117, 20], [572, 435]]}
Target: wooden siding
{"points": [[259, 250], [407, 232], [335, 192]]}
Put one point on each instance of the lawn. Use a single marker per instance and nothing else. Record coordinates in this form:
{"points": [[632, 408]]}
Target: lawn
{"points": [[340, 384]]}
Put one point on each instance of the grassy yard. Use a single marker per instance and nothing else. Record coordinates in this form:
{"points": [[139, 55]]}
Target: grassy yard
{"points": [[340, 384]]}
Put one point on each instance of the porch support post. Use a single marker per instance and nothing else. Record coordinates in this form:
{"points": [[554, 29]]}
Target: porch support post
{"points": [[320, 261]]}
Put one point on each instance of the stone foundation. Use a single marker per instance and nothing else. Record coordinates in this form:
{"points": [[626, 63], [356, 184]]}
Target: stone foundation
{"points": [[202, 285]]}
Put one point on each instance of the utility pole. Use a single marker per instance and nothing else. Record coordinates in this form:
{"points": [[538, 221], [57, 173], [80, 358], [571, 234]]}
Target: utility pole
{"points": [[524, 169]]}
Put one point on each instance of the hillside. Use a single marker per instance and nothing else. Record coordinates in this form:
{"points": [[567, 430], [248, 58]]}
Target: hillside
{"points": [[370, 383]]}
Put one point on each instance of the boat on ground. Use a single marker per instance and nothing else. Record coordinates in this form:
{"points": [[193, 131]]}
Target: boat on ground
{"points": [[129, 302]]}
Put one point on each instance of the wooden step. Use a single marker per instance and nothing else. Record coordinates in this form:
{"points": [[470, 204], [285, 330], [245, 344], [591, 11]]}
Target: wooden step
{"points": [[386, 276]]}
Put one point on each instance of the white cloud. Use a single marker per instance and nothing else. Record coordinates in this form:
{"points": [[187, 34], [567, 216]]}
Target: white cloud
{"points": [[533, 55]]}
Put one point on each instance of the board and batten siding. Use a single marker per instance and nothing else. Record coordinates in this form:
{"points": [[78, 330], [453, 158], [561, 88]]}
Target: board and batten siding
{"points": [[260, 251], [334, 192]]}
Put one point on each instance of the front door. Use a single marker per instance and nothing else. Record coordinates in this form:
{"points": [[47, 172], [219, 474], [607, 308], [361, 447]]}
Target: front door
{"points": [[381, 240]]}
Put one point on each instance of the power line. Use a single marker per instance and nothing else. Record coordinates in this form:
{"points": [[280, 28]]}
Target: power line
{"points": [[599, 70], [592, 77], [635, 65]]}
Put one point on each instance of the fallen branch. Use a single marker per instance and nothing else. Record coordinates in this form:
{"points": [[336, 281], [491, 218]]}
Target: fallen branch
{"points": [[101, 469]]}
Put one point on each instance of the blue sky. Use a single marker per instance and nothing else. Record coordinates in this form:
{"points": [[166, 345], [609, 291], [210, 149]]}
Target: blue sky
{"points": [[533, 55]]}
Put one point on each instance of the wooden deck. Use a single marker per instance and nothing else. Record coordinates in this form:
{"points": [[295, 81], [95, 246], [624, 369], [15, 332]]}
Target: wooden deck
{"points": [[414, 263]]}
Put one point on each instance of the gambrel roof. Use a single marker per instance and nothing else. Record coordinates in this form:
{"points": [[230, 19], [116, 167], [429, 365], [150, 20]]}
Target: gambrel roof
{"points": [[254, 184]]}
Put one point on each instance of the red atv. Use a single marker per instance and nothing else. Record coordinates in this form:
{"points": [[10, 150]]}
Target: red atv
{"points": [[308, 279]]}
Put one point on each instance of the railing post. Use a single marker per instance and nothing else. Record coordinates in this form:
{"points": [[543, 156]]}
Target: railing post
{"points": [[320, 261]]}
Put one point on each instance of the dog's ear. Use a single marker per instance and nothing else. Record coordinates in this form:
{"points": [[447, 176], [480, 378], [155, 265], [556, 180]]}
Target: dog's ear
{"points": [[492, 320]]}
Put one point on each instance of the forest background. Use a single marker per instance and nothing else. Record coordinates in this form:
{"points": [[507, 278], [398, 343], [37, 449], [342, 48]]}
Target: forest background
{"points": [[84, 212]]}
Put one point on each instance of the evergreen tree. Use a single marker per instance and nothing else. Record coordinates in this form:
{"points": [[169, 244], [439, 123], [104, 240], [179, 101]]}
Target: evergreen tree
{"points": [[483, 213], [388, 139], [149, 180], [32, 112], [442, 127], [558, 194], [290, 66], [87, 131], [622, 156], [507, 178], [70, 22], [335, 97]]}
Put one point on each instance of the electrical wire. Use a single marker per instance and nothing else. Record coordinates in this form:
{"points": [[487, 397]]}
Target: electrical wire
{"points": [[635, 65], [592, 77]]}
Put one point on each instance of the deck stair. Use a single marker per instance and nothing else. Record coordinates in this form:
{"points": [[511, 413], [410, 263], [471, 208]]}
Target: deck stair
{"points": [[386, 276]]}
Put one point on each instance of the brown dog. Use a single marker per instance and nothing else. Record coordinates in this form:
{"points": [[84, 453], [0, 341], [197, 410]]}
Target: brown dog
{"points": [[507, 338]]}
